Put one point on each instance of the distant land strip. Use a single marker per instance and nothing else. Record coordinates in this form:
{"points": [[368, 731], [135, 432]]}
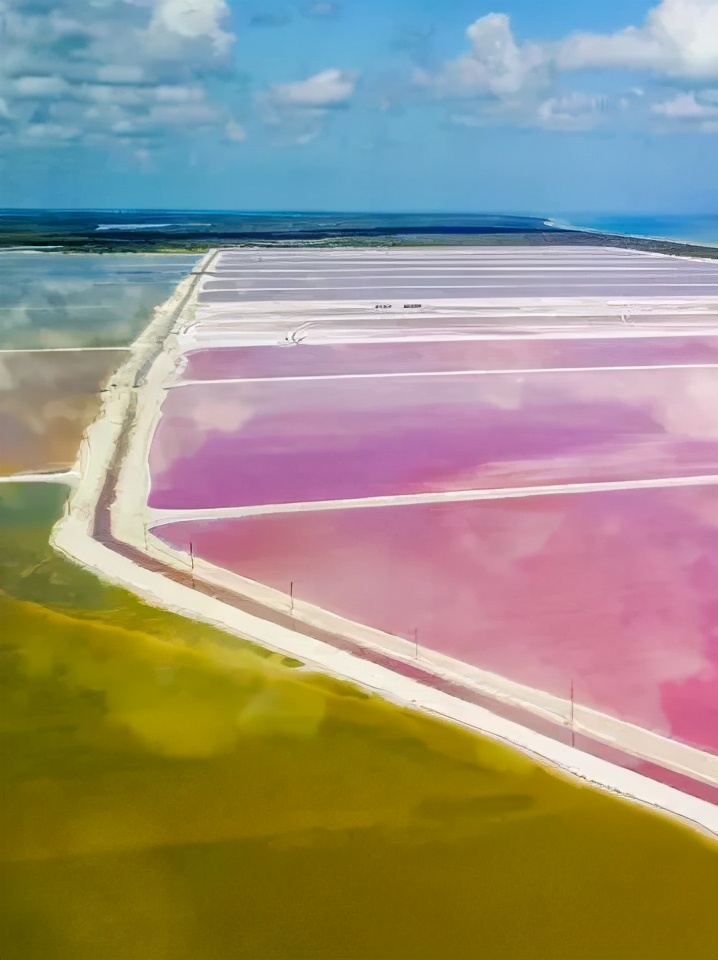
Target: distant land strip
{"points": [[159, 241]]}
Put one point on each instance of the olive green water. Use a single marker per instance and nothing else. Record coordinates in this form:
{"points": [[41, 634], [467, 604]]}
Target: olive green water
{"points": [[168, 793]]}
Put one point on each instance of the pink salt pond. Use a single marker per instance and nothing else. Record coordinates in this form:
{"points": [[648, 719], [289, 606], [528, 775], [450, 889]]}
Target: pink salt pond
{"points": [[547, 512], [263, 442], [336, 359], [613, 593]]}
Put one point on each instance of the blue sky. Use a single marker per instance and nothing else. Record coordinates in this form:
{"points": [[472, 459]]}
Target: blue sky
{"points": [[547, 107]]}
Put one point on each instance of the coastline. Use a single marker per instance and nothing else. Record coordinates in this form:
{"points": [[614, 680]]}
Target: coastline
{"points": [[168, 231], [687, 242], [575, 237]]}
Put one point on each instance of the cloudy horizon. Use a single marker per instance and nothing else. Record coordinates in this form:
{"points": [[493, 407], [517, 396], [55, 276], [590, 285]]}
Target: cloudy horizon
{"points": [[395, 105]]}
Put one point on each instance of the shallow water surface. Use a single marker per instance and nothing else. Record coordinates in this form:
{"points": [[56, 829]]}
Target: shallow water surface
{"points": [[617, 589], [170, 793], [82, 300], [47, 400], [236, 444]]}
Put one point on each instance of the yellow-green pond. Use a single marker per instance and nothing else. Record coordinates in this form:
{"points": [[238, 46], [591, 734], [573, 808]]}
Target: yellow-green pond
{"points": [[171, 793]]}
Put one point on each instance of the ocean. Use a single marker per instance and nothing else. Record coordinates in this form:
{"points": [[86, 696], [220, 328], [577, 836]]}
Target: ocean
{"points": [[692, 228]]}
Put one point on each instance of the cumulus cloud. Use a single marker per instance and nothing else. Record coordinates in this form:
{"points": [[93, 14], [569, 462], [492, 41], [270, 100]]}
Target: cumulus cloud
{"points": [[125, 70], [495, 66], [678, 39], [191, 20], [40, 87], [299, 108], [508, 81], [690, 110], [330, 88], [685, 106], [511, 80], [498, 80]]}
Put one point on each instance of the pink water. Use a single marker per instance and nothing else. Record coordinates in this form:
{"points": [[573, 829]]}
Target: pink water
{"points": [[236, 444], [309, 360], [615, 592]]}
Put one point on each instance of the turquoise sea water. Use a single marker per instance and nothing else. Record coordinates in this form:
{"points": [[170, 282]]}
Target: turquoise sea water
{"points": [[694, 228]]}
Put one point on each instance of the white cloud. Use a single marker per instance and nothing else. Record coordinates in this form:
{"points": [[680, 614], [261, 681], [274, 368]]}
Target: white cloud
{"points": [[177, 114], [180, 94], [679, 39], [192, 20], [120, 73], [509, 80], [113, 69], [685, 106], [40, 87], [495, 66], [574, 111], [51, 131], [299, 108], [330, 88], [234, 132], [690, 111]]}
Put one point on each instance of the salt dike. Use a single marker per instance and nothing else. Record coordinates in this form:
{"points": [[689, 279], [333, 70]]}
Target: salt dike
{"points": [[479, 480]]}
